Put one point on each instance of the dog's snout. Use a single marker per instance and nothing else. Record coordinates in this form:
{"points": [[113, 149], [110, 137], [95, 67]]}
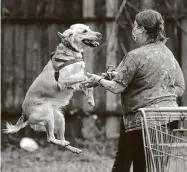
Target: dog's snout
{"points": [[99, 35]]}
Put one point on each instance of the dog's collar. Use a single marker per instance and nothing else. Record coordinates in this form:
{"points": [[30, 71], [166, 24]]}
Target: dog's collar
{"points": [[69, 46]]}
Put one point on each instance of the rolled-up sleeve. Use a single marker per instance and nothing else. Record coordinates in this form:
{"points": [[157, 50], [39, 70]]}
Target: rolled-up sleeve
{"points": [[126, 70]]}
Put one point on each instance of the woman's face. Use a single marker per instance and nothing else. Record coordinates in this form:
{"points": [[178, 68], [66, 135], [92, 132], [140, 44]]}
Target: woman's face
{"points": [[137, 33]]}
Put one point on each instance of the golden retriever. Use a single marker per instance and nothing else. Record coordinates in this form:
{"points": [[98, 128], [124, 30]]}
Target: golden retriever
{"points": [[54, 87]]}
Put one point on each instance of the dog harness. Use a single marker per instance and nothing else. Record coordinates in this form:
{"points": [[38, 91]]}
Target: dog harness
{"points": [[65, 63]]}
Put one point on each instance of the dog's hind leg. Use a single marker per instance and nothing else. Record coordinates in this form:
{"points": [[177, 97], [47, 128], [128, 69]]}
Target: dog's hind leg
{"points": [[50, 129], [60, 129], [44, 114], [59, 123]]}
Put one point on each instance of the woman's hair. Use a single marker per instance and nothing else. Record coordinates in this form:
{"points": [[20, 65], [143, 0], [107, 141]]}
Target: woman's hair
{"points": [[153, 23]]}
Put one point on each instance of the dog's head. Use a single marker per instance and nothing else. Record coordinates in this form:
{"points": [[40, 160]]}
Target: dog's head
{"points": [[80, 36]]}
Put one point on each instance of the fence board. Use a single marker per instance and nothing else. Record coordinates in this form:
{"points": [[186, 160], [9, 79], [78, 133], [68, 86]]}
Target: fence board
{"points": [[89, 60], [7, 67], [44, 44], [184, 59], [111, 54], [88, 10], [38, 49], [111, 8], [2, 68], [36, 68], [29, 56], [99, 67], [19, 65], [112, 49], [100, 8], [172, 34], [53, 37]]}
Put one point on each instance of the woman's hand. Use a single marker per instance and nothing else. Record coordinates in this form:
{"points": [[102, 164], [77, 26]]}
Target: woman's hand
{"points": [[109, 75], [93, 80], [96, 80]]}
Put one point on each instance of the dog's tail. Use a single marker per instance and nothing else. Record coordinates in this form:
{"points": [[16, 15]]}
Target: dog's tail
{"points": [[15, 128]]}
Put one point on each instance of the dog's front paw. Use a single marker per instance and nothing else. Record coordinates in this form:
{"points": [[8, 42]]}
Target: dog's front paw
{"points": [[76, 150], [65, 143]]}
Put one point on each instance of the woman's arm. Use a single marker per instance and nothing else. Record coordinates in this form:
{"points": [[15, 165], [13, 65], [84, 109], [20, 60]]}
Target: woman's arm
{"points": [[112, 86], [123, 76], [109, 85], [179, 81]]}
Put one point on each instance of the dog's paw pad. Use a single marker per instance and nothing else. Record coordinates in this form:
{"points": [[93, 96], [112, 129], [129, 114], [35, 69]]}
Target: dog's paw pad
{"points": [[77, 151]]}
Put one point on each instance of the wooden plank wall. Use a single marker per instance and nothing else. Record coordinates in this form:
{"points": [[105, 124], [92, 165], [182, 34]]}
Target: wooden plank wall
{"points": [[184, 58], [26, 45]]}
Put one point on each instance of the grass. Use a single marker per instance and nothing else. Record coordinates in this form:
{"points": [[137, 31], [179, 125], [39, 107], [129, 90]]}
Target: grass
{"points": [[51, 159], [97, 155]]}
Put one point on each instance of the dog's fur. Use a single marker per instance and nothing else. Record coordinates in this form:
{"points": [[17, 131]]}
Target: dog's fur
{"points": [[45, 98]]}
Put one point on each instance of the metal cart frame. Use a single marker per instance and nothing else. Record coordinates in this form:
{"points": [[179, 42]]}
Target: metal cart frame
{"points": [[165, 147]]}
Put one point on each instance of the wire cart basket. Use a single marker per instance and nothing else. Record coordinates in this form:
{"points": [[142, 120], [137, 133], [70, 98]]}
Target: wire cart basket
{"points": [[165, 138]]}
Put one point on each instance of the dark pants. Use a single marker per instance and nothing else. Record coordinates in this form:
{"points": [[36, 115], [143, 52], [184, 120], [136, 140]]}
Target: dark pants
{"points": [[130, 149]]}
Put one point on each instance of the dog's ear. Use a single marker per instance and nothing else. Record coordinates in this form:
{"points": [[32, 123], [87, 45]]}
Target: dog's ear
{"points": [[61, 35], [68, 33]]}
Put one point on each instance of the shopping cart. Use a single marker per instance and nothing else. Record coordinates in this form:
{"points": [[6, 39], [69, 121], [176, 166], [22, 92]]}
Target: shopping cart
{"points": [[165, 139]]}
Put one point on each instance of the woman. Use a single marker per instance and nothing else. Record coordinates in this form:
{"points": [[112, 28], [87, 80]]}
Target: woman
{"points": [[148, 76]]}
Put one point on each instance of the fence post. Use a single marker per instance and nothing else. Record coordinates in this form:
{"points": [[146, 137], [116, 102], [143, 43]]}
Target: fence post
{"points": [[112, 122], [88, 55]]}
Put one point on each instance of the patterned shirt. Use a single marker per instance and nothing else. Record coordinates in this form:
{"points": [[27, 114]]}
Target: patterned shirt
{"points": [[150, 74]]}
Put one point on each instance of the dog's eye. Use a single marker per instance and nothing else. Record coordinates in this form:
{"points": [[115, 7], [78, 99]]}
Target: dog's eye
{"points": [[84, 31]]}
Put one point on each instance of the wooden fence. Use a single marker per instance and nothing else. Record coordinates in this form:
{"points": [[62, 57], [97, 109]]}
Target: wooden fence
{"points": [[29, 33]]}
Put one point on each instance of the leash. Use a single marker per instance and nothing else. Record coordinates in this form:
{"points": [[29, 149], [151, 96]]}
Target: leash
{"points": [[65, 63]]}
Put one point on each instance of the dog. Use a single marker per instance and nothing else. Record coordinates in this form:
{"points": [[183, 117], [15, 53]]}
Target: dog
{"points": [[54, 87]]}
